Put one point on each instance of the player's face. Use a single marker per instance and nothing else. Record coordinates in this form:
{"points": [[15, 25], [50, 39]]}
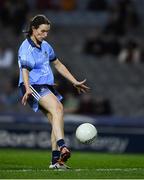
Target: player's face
{"points": [[41, 33]]}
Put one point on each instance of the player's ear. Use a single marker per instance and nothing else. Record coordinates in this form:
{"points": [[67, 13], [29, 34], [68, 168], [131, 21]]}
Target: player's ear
{"points": [[33, 28]]}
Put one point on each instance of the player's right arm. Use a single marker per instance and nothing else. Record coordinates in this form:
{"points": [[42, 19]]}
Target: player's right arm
{"points": [[28, 92], [26, 64]]}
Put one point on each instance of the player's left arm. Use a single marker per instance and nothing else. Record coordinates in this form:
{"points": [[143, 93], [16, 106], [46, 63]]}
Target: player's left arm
{"points": [[62, 69]]}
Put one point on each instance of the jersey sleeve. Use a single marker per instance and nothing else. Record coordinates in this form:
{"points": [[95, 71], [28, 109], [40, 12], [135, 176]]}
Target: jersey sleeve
{"points": [[26, 60], [52, 55]]}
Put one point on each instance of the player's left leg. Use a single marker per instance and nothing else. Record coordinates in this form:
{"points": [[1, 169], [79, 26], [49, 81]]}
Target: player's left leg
{"points": [[53, 106], [56, 161]]}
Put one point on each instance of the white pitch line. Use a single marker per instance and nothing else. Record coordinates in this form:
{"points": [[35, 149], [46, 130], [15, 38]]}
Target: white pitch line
{"points": [[98, 170], [112, 169]]}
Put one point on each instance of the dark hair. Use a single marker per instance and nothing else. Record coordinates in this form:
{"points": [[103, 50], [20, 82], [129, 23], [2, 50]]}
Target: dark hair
{"points": [[35, 22]]}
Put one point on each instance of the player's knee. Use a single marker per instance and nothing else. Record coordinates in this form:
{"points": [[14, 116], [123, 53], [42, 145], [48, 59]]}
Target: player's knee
{"points": [[58, 110]]}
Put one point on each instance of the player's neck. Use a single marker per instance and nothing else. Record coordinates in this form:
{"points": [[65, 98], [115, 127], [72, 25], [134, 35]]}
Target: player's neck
{"points": [[37, 43]]}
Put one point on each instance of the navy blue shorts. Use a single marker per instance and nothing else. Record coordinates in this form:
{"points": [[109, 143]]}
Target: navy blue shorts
{"points": [[39, 91]]}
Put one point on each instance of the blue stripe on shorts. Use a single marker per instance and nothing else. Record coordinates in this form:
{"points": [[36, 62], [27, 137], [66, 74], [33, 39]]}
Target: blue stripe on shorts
{"points": [[42, 90]]}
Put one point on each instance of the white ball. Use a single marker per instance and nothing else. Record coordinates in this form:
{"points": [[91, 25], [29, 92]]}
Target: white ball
{"points": [[86, 133]]}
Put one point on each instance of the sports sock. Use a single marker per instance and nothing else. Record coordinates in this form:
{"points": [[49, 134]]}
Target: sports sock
{"points": [[55, 156], [61, 143]]}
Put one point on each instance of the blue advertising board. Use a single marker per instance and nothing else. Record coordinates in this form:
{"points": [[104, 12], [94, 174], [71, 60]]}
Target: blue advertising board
{"points": [[115, 135]]}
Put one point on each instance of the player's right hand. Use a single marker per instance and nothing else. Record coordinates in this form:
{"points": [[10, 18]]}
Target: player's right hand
{"points": [[26, 96]]}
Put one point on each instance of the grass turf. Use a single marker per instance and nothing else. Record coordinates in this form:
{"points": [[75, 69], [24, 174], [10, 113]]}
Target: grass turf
{"points": [[33, 164]]}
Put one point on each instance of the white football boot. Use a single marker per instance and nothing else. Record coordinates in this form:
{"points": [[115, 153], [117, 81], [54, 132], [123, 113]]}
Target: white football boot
{"points": [[59, 165]]}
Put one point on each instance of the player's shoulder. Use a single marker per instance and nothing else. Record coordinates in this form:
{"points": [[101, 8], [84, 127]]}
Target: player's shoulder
{"points": [[25, 43], [25, 46]]}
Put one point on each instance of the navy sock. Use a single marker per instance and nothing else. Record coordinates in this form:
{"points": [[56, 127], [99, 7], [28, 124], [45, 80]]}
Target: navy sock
{"points": [[55, 156], [61, 143]]}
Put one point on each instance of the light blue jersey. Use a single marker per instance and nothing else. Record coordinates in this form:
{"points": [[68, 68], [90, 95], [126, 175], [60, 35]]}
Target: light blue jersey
{"points": [[37, 61]]}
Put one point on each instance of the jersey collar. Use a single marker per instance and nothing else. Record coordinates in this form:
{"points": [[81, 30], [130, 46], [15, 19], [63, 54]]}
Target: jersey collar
{"points": [[32, 43]]}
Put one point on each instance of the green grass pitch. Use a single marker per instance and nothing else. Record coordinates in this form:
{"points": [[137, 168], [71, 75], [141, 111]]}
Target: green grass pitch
{"points": [[33, 164]]}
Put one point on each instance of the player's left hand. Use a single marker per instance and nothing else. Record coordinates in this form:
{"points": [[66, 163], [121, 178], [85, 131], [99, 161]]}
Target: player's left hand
{"points": [[81, 87]]}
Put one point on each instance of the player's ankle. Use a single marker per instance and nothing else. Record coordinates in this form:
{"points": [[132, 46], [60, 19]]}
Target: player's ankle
{"points": [[55, 156], [61, 143]]}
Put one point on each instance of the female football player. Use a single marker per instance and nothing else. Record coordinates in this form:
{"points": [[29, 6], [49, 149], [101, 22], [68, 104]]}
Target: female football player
{"points": [[36, 81]]}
